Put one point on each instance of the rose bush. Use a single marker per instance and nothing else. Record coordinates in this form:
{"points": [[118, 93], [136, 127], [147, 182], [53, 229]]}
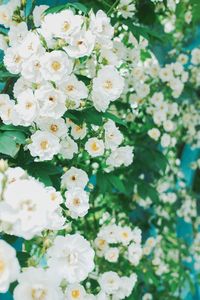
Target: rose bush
{"points": [[98, 99]]}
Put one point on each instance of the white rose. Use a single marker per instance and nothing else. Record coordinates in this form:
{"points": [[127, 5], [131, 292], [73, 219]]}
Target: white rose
{"points": [[77, 201], [44, 145], [9, 266], [38, 14], [75, 178], [154, 133], [71, 257], [81, 44], [68, 148], [55, 65], [94, 147], [37, 283], [57, 127], [109, 282], [108, 84]]}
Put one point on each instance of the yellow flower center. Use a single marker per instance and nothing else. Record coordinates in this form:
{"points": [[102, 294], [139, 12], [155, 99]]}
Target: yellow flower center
{"points": [[44, 145], [38, 294], [56, 65], [70, 88], [76, 201], [108, 84], [66, 26], [2, 266], [29, 105], [76, 294], [54, 127], [94, 147]]}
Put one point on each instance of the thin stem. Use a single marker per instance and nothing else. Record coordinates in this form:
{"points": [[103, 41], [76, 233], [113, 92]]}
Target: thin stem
{"points": [[112, 7]]}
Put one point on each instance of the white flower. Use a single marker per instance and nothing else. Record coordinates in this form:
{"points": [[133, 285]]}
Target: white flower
{"points": [[17, 33], [125, 235], [55, 65], [101, 245], [31, 69], [14, 174], [6, 12], [44, 145], [109, 282], [168, 125], [78, 131], [113, 137], [21, 85], [9, 266], [101, 104], [126, 8], [112, 254], [75, 292], [75, 178], [157, 99], [80, 44], [147, 296], [62, 24], [27, 211], [31, 45], [55, 218], [121, 156], [27, 107], [110, 233], [3, 42], [74, 89], [188, 17], [154, 133], [38, 14], [8, 112], [166, 74], [134, 253], [68, 148], [77, 201], [101, 28], [54, 126], [94, 147], [71, 257], [13, 60], [51, 101], [108, 84], [126, 286], [195, 56], [165, 140], [37, 284]]}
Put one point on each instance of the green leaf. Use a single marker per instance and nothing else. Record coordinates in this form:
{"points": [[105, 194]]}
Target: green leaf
{"points": [[4, 75], [88, 115], [76, 5], [92, 116], [29, 7], [117, 183], [14, 128], [18, 136], [103, 182], [146, 190], [8, 145], [115, 118], [23, 257]]}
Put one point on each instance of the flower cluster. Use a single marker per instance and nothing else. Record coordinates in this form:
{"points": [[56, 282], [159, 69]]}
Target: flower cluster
{"points": [[94, 123]]}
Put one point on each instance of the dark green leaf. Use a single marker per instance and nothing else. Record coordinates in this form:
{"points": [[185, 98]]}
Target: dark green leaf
{"points": [[115, 118], [117, 183]]}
